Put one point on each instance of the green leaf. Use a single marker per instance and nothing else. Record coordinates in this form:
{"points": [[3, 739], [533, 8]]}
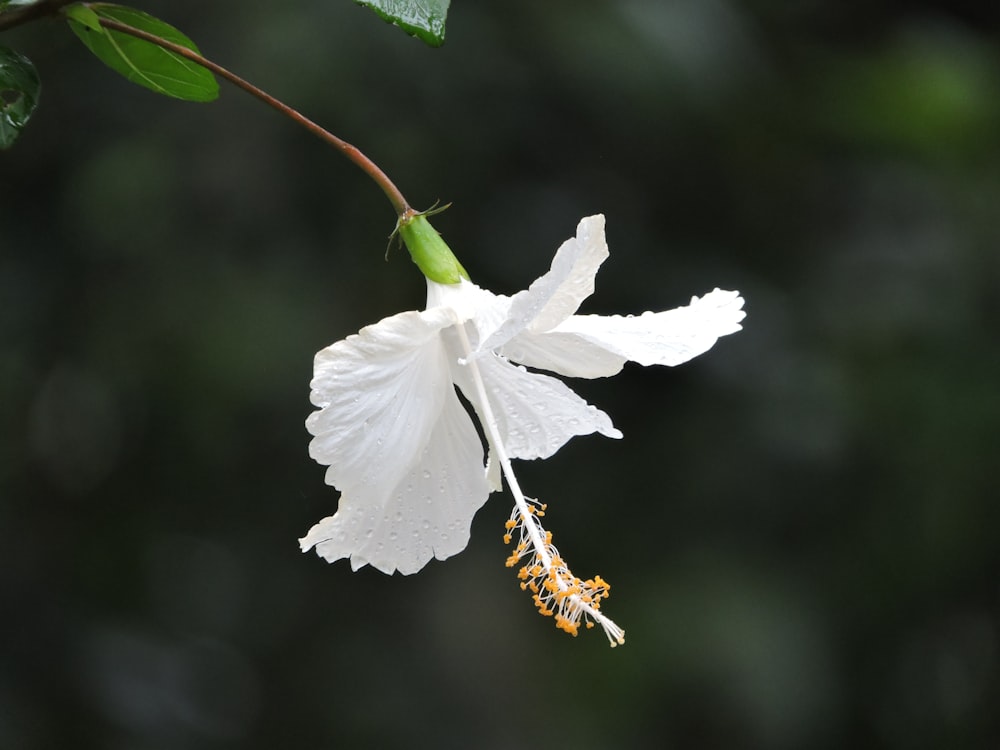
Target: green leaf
{"points": [[423, 19], [19, 87], [143, 62], [85, 15]]}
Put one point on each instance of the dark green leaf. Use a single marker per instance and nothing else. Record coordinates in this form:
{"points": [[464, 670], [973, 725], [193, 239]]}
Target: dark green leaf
{"points": [[143, 62], [19, 87], [423, 19]]}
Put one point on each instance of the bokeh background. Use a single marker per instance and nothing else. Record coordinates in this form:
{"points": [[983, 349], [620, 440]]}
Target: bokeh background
{"points": [[801, 528]]}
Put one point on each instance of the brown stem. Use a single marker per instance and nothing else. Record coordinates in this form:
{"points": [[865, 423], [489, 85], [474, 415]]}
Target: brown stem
{"points": [[16, 17], [395, 197]]}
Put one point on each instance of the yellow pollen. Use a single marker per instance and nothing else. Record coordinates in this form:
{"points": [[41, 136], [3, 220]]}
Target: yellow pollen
{"points": [[555, 591]]}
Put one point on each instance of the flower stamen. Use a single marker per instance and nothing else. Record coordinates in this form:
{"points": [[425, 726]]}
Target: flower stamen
{"points": [[555, 591]]}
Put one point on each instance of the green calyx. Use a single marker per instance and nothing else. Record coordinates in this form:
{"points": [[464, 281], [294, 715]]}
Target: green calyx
{"points": [[432, 256]]}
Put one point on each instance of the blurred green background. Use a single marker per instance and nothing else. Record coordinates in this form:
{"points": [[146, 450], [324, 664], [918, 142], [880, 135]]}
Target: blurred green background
{"points": [[801, 528]]}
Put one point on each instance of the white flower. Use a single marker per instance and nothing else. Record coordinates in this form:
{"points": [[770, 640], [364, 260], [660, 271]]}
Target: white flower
{"points": [[404, 451]]}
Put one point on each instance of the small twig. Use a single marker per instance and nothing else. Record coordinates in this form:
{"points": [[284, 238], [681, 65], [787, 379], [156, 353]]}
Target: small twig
{"points": [[26, 13], [395, 197]]}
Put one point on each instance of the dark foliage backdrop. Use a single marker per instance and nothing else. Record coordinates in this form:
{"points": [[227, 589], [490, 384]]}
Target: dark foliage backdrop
{"points": [[801, 528]]}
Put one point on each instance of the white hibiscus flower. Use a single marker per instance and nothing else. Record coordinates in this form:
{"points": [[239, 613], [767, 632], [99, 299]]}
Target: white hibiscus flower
{"points": [[402, 448]]}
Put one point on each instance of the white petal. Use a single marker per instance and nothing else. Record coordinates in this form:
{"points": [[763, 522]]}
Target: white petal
{"points": [[400, 446], [536, 414], [486, 310], [566, 353], [427, 513], [380, 392], [557, 294], [494, 474], [663, 338]]}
